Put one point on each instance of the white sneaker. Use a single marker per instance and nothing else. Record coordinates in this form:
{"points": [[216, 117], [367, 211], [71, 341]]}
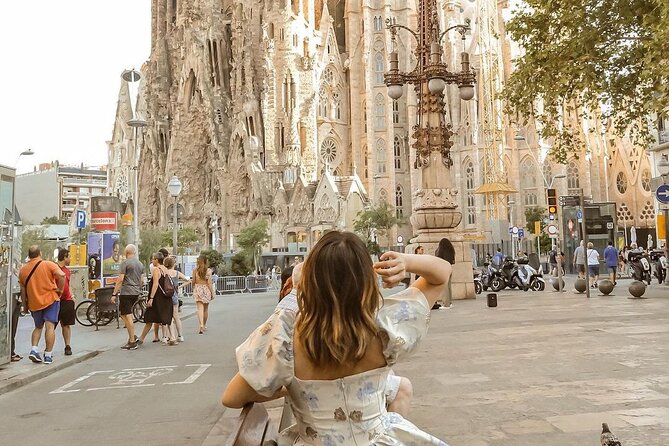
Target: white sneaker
{"points": [[165, 340], [180, 338]]}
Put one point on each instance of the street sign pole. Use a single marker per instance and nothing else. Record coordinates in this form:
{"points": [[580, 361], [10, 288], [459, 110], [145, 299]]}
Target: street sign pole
{"points": [[585, 242]]}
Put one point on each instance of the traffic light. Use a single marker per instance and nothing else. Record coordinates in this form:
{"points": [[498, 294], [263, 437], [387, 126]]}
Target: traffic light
{"points": [[552, 199]]}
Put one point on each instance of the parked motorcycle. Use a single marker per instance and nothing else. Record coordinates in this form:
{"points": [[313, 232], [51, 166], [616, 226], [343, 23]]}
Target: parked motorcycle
{"points": [[659, 262], [502, 274], [640, 265], [478, 286], [528, 276]]}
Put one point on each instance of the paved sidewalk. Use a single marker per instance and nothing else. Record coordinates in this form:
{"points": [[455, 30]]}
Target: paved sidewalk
{"points": [[544, 368], [86, 344]]}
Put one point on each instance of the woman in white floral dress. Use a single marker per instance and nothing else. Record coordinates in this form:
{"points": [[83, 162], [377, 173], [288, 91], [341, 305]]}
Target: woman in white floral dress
{"points": [[333, 357]]}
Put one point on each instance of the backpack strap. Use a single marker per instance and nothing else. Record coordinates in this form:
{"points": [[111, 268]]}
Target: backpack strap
{"points": [[29, 277]]}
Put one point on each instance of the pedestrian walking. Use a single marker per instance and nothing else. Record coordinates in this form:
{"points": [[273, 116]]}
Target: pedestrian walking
{"points": [[203, 291], [66, 314], [498, 258], [159, 308], [552, 260], [322, 370], [42, 284], [175, 276], [128, 287], [611, 258], [579, 260], [593, 265]]}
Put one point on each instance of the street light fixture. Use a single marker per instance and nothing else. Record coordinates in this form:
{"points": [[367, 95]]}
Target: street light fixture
{"points": [[12, 223], [174, 189]]}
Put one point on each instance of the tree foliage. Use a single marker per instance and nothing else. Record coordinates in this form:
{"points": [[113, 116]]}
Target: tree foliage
{"points": [[37, 236], [186, 238], [590, 59], [151, 242], [214, 258], [533, 215], [251, 239], [55, 221], [376, 220]]}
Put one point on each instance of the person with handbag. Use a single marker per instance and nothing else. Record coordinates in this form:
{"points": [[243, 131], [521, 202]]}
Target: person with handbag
{"points": [[42, 283]]}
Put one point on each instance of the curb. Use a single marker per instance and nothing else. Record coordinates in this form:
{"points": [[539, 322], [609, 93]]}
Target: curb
{"points": [[18, 382]]}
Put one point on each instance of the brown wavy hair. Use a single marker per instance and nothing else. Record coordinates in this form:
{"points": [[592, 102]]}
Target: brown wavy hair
{"points": [[338, 298], [202, 267]]}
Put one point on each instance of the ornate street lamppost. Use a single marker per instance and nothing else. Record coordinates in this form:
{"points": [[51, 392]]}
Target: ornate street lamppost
{"points": [[663, 170], [137, 124], [435, 213], [174, 189]]}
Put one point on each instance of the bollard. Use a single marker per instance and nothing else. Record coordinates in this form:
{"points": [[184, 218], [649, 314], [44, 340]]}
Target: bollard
{"points": [[492, 299]]}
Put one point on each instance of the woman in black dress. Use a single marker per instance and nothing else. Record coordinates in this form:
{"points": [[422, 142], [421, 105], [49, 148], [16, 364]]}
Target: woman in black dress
{"points": [[159, 308]]}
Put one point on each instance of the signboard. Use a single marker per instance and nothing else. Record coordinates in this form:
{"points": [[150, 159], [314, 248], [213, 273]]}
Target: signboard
{"points": [[104, 221], [579, 216], [111, 253], [521, 232], [609, 225], [81, 219], [94, 248], [662, 194], [552, 229], [569, 200]]}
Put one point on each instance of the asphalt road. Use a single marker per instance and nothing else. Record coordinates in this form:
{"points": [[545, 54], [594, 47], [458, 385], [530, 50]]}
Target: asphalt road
{"points": [[156, 395]]}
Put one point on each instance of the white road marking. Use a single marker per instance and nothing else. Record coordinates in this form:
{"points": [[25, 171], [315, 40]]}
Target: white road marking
{"points": [[120, 387], [195, 375], [63, 389]]}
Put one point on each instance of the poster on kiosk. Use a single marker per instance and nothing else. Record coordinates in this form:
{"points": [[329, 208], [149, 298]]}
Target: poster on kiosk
{"points": [[104, 259]]}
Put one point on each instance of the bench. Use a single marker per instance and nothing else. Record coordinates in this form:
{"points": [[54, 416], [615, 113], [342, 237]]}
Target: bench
{"points": [[253, 426]]}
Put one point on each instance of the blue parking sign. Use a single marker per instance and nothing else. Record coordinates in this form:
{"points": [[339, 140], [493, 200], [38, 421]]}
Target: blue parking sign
{"points": [[81, 219]]}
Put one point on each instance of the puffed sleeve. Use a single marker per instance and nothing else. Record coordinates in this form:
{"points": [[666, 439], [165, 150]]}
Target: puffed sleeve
{"points": [[403, 320], [265, 359]]}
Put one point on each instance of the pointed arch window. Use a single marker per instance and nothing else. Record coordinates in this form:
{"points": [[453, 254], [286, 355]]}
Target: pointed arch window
{"points": [[397, 151], [378, 24], [364, 116], [336, 105], [379, 112], [396, 111], [380, 157], [470, 206], [528, 182], [573, 180], [379, 67], [383, 196], [399, 201]]}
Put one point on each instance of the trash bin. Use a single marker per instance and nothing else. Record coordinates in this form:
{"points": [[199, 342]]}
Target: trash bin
{"points": [[492, 299]]}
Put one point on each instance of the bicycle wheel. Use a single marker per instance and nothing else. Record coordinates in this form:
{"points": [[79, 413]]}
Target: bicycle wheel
{"points": [[80, 313], [103, 317], [138, 310]]}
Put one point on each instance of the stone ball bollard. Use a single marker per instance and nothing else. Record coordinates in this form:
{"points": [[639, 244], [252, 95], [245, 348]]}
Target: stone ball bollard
{"points": [[556, 284], [637, 288], [580, 285], [605, 287]]}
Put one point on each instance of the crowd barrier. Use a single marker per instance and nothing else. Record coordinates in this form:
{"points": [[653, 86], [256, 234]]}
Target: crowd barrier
{"points": [[236, 284]]}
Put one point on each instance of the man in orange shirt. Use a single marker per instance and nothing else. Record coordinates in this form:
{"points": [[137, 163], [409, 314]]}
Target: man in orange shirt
{"points": [[42, 284]]}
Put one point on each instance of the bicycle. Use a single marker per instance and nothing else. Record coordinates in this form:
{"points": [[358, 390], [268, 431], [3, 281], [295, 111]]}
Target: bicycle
{"points": [[86, 312]]}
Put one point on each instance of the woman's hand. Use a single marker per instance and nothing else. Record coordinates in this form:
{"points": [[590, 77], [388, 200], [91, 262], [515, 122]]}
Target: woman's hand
{"points": [[149, 302], [391, 267]]}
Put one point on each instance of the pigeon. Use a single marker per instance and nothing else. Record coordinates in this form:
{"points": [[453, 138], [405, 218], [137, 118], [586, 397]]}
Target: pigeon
{"points": [[608, 439]]}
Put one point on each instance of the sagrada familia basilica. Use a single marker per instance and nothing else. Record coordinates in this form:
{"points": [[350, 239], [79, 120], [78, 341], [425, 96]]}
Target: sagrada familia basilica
{"points": [[277, 109]]}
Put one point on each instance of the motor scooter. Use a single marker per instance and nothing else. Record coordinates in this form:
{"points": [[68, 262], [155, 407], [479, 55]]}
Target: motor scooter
{"points": [[659, 261], [640, 265], [503, 274], [478, 286], [528, 275]]}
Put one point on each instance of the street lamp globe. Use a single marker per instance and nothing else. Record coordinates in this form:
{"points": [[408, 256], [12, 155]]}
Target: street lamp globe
{"points": [[174, 186], [466, 92], [663, 166], [436, 85], [395, 91], [27, 152]]}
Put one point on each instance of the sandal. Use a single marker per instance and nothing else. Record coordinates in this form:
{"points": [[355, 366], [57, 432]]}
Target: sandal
{"points": [[16, 357], [156, 340]]}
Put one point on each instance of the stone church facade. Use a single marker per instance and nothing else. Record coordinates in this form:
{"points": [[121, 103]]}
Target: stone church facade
{"points": [[277, 109]]}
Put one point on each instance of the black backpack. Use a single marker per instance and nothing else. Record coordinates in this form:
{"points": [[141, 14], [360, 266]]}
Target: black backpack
{"points": [[168, 285]]}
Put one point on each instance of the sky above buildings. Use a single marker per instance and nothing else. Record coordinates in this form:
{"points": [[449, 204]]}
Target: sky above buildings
{"points": [[62, 73]]}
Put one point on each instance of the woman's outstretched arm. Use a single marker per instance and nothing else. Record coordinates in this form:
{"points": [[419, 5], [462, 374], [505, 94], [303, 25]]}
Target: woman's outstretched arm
{"points": [[434, 272], [238, 393]]}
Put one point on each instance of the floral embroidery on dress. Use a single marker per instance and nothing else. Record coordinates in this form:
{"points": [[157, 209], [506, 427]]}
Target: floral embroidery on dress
{"points": [[356, 416], [400, 340], [404, 312], [339, 414], [311, 432], [266, 328], [311, 399], [366, 390]]}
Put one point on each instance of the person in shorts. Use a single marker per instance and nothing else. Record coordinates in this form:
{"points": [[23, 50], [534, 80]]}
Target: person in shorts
{"points": [[42, 284], [128, 287], [66, 313], [611, 258]]}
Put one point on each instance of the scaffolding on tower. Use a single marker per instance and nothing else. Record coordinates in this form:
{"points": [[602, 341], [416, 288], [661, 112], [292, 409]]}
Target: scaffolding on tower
{"points": [[495, 187]]}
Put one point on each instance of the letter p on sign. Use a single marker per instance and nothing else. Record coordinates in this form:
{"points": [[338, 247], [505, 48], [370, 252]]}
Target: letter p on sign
{"points": [[81, 219]]}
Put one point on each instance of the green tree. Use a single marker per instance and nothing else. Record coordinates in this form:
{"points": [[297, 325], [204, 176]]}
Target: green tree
{"points": [[186, 238], [533, 215], [151, 242], [375, 221], [241, 264], [604, 59], [36, 236], [252, 238], [55, 221], [214, 258]]}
